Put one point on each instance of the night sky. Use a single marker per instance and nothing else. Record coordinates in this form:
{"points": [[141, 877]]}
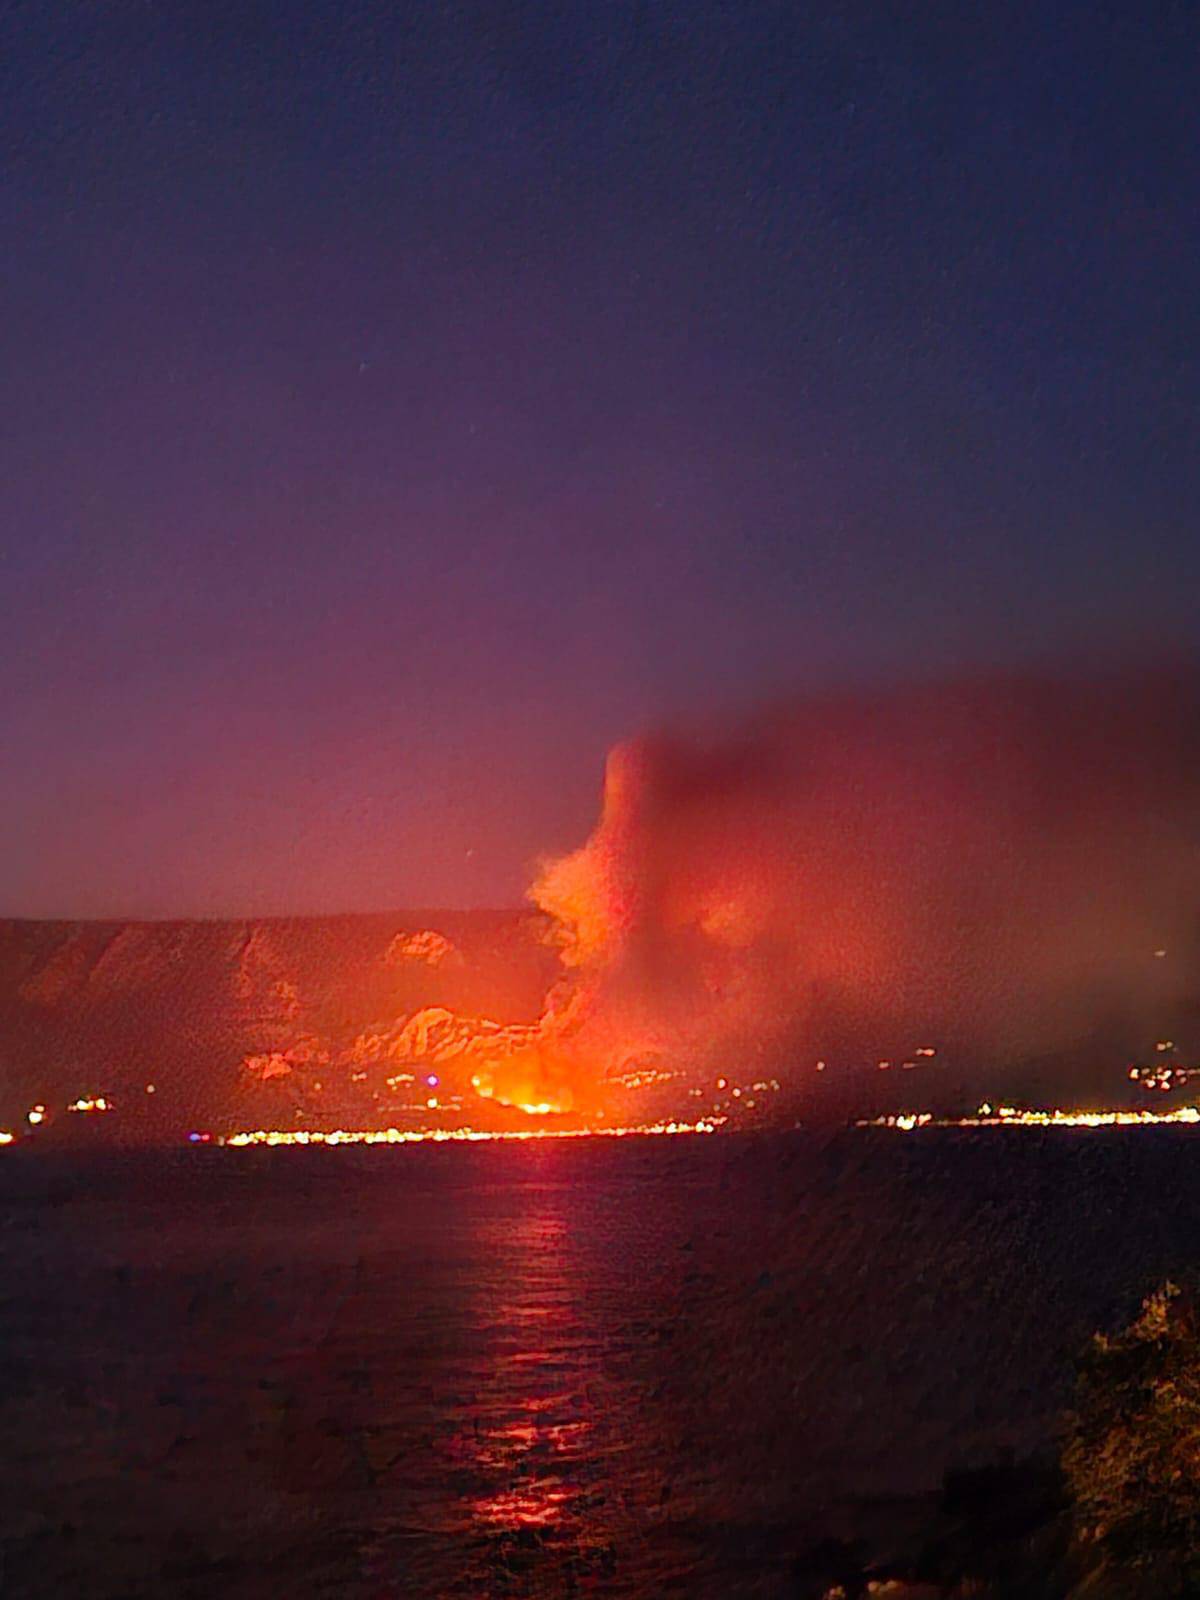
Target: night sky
{"points": [[402, 403]]}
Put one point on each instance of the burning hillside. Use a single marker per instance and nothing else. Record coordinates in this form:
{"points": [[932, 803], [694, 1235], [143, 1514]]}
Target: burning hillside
{"points": [[1011, 865], [230, 1021], [1009, 868]]}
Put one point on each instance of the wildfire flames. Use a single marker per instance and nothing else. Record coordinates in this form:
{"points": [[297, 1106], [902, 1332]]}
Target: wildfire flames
{"points": [[997, 862], [527, 1080]]}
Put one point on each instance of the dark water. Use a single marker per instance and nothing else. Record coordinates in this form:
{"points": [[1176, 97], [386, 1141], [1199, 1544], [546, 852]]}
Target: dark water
{"points": [[652, 1367]]}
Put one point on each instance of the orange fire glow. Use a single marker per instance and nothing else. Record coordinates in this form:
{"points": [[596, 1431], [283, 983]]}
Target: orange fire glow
{"points": [[529, 1079], [347, 1136]]}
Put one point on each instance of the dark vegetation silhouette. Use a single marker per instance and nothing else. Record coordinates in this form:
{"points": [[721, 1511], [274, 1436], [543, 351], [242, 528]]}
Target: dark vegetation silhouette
{"points": [[1132, 1453], [1113, 1514]]}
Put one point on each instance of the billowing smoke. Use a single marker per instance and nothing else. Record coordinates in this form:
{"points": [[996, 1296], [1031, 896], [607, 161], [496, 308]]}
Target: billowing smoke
{"points": [[999, 863]]}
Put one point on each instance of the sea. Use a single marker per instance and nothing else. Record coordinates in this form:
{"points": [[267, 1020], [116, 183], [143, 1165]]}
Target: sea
{"points": [[635, 1367]]}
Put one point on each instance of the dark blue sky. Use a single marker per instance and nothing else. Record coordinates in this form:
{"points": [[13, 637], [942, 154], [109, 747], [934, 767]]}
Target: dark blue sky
{"points": [[403, 403]]}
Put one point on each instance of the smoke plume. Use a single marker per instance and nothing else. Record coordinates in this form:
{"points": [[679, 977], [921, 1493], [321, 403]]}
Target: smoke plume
{"points": [[998, 863]]}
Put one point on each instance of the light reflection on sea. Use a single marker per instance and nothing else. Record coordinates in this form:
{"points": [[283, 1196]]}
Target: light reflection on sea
{"points": [[569, 1368]]}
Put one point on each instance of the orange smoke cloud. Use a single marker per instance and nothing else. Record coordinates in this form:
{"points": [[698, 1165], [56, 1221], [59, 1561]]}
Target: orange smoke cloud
{"points": [[993, 861]]}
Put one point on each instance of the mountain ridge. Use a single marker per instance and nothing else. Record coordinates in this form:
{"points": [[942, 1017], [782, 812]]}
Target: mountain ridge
{"points": [[108, 1007]]}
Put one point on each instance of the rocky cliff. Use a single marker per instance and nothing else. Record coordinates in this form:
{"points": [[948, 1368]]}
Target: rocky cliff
{"points": [[206, 1024]]}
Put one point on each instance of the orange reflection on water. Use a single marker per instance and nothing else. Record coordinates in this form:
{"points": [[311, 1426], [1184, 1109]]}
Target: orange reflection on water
{"points": [[532, 1505], [530, 1430]]}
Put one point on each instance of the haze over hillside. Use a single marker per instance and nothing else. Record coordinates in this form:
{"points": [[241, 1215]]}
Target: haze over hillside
{"points": [[1001, 875], [106, 1008]]}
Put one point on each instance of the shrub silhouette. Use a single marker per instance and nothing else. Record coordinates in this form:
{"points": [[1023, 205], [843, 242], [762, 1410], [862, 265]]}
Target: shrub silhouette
{"points": [[1132, 1451]]}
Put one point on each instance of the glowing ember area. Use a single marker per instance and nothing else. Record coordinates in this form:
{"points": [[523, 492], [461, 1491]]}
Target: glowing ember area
{"points": [[98, 1103], [513, 1064], [1010, 1117], [340, 1136], [526, 1079]]}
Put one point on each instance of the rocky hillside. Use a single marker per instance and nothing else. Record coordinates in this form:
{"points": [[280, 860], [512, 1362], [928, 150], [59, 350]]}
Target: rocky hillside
{"points": [[237, 1021], [342, 1021]]}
